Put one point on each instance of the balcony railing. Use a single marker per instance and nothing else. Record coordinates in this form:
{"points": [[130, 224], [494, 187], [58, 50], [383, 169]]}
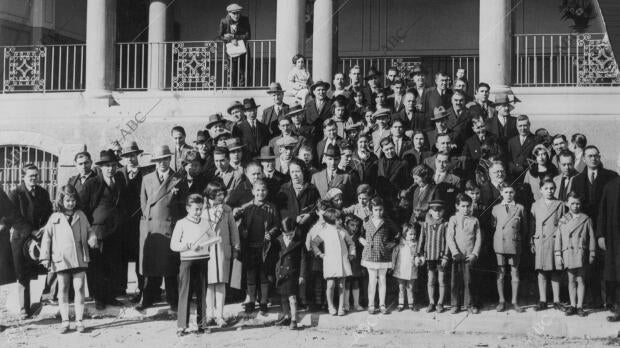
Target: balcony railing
{"points": [[50, 68], [194, 66], [564, 60]]}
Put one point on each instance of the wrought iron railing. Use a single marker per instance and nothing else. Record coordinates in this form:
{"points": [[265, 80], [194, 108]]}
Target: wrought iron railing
{"points": [[14, 157], [542, 60], [194, 65], [49, 68]]}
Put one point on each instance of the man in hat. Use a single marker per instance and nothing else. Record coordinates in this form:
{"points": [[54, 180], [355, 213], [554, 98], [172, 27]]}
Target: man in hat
{"points": [[104, 205], [252, 132], [440, 95], [235, 28], [162, 200], [419, 84], [318, 108], [216, 125], [273, 113], [235, 115], [33, 203], [440, 120], [274, 178], [132, 175], [331, 137], [235, 149], [381, 118], [180, 146], [332, 177], [519, 148], [458, 118], [285, 125], [373, 85], [352, 130], [286, 148], [194, 181], [305, 133], [224, 171], [204, 147], [503, 124]]}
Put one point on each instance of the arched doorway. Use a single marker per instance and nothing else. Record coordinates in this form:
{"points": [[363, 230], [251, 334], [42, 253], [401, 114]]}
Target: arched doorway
{"points": [[12, 159]]}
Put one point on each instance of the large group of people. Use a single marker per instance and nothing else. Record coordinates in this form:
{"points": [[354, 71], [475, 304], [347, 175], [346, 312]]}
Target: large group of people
{"points": [[324, 202]]}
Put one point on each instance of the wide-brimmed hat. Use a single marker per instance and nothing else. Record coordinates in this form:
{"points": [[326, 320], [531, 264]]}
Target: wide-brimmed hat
{"points": [[106, 156], [213, 119], [325, 85], [503, 98], [373, 73], [233, 8], [266, 153], [234, 144], [190, 156], [161, 152], [235, 105], [201, 137], [131, 149], [274, 88], [294, 110], [249, 103], [439, 113], [381, 113], [287, 141], [332, 151]]}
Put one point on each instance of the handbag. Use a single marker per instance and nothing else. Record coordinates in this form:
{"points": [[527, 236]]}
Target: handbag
{"points": [[236, 49]]}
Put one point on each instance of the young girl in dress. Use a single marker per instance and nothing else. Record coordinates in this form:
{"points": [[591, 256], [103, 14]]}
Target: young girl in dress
{"points": [[405, 269], [378, 243], [575, 247], [338, 250], [64, 250], [299, 78], [353, 224], [546, 214]]}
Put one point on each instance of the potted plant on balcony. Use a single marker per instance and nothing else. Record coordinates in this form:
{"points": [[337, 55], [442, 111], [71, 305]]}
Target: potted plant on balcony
{"points": [[579, 11]]}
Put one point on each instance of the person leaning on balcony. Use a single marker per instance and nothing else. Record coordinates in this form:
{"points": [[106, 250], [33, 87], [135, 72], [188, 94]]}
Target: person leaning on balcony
{"points": [[233, 28]]}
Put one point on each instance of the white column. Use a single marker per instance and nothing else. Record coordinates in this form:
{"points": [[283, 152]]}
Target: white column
{"points": [[495, 42], [322, 40], [100, 35], [290, 32], [157, 47]]}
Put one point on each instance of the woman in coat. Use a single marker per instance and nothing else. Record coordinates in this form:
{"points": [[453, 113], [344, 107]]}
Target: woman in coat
{"points": [[297, 198], [221, 223], [539, 170]]}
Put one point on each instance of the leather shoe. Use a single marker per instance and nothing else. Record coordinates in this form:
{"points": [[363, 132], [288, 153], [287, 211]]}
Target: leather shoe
{"points": [[135, 298], [614, 318], [284, 321]]}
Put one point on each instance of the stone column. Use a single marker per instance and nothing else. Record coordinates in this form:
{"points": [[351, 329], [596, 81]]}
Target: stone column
{"points": [[322, 40], [290, 32], [157, 47], [100, 35], [495, 43]]}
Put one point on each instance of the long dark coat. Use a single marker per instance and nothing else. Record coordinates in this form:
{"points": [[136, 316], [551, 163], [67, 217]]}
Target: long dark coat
{"points": [[133, 213], [290, 205], [290, 264], [161, 209], [608, 227], [11, 250]]}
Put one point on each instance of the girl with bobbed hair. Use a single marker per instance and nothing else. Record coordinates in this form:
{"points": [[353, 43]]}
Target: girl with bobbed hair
{"points": [[299, 78]]}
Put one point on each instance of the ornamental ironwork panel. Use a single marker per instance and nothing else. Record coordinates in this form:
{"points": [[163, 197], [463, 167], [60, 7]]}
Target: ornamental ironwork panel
{"points": [[194, 67], [597, 65], [24, 69], [14, 157]]}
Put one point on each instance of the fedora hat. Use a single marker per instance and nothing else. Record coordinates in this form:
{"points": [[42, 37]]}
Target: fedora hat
{"points": [[234, 144], [190, 156], [106, 156], [235, 105], [131, 149], [161, 152], [213, 119], [201, 137], [266, 153], [503, 98], [233, 8], [320, 83], [381, 113], [249, 104], [275, 88], [439, 113], [332, 151], [373, 73], [294, 110]]}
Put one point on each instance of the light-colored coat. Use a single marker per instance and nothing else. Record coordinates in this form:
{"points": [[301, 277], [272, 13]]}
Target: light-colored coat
{"points": [[225, 227], [545, 223], [463, 235], [510, 227], [337, 246], [403, 260], [575, 241], [66, 246]]}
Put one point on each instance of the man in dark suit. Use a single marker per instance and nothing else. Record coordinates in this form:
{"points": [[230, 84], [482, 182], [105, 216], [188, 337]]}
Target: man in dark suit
{"points": [[33, 204], [83, 162], [401, 142], [332, 177], [318, 108], [392, 173], [502, 123], [252, 132], [473, 144], [372, 86], [330, 138], [273, 113], [520, 147], [482, 99], [440, 121], [301, 129], [180, 146], [412, 119], [396, 100], [437, 96], [589, 186], [458, 118], [458, 165], [234, 28]]}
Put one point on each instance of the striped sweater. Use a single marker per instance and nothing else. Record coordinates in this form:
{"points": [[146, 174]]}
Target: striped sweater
{"points": [[432, 243]]}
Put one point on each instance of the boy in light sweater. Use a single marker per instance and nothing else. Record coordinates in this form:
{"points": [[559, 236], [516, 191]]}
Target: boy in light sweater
{"points": [[188, 238], [464, 239]]}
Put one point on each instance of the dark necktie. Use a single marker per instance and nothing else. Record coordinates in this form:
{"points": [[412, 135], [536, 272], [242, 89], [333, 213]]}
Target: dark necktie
{"points": [[562, 194]]}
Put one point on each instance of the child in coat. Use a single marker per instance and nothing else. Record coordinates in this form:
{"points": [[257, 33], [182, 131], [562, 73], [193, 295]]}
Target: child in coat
{"points": [[575, 247], [64, 250], [546, 214], [378, 242], [510, 227], [315, 264], [364, 193], [354, 224], [433, 250], [188, 239], [464, 240], [405, 268], [290, 269], [338, 250]]}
